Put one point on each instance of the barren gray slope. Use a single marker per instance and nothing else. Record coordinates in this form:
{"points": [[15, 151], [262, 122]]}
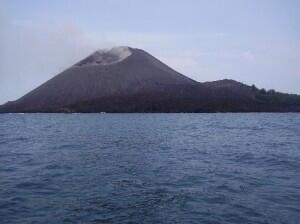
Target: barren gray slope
{"points": [[90, 79], [131, 80]]}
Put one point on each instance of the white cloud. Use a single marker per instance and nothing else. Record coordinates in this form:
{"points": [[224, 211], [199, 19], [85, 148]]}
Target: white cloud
{"points": [[248, 56]]}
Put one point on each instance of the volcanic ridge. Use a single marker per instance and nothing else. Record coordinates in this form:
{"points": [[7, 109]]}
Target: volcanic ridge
{"points": [[125, 79]]}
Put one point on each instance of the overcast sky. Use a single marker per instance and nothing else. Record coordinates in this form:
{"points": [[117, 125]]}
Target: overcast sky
{"points": [[252, 41]]}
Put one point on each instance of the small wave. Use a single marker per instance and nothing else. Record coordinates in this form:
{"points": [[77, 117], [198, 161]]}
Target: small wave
{"points": [[30, 185]]}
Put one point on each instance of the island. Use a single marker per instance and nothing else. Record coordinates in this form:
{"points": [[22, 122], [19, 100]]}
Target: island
{"points": [[130, 80]]}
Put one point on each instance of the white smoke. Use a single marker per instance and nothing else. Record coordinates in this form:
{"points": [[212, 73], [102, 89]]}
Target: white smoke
{"points": [[111, 56]]}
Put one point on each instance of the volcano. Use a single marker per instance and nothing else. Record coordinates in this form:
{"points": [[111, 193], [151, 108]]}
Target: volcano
{"points": [[125, 79]]}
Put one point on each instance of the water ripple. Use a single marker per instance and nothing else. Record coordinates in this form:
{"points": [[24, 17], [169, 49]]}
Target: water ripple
{"points": [[150, 168]]}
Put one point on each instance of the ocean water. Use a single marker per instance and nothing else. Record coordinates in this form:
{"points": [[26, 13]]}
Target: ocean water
{"points": [[150, 168]]}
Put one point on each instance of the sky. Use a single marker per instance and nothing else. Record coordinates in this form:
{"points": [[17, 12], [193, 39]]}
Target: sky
{"points": [[251, 41]]}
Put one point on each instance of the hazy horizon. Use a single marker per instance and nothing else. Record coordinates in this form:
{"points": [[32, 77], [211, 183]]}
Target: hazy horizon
{"points": [[254, 42]]}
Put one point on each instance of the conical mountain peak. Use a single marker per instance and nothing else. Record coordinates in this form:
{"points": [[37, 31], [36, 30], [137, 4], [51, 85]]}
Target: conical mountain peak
{"points": [[124, 79]]}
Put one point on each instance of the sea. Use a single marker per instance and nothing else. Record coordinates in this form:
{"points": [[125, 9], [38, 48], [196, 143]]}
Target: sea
{"points": [[150, 168]]}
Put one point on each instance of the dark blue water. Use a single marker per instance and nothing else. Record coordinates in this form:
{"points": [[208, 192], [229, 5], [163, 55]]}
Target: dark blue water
{"points": [[150, 168]]}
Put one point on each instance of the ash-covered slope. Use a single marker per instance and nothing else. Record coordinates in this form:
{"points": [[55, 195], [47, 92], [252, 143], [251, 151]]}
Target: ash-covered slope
{"points": [[125, 79], [120, 71]]}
